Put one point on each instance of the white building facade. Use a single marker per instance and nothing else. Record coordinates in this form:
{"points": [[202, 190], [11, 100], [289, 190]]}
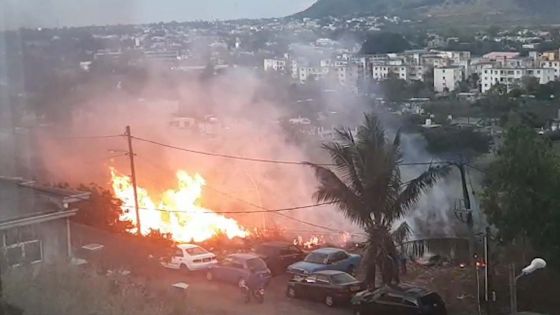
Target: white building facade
{"points": [[447, 79], [512, 77]]}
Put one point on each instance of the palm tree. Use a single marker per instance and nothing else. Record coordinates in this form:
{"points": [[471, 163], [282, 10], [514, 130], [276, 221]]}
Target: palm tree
{"points": [[366, 186]]}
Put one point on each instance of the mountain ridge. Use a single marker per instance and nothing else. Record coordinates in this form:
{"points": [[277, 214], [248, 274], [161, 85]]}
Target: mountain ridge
{"points": [[429, 8]]}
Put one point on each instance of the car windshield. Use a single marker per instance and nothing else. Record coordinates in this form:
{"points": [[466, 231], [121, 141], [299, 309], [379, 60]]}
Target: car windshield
{"points": [[342, 278], [256, 264], [196, 251], [316, 258]]}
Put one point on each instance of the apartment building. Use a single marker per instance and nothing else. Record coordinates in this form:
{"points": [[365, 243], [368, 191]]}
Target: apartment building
{"points": [[511, 77], [446, 79], [275, 65]]}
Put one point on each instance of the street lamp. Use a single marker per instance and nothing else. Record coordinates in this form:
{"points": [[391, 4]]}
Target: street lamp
{"points": [[536, 264]]}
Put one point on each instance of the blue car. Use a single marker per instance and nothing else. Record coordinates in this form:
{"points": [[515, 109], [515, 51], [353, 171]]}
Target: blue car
{"points": [[326, 259], [236, 268]]}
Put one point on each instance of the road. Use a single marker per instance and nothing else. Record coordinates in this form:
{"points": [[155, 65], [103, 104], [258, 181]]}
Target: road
{"points": [[207, 297], [222, 298]]}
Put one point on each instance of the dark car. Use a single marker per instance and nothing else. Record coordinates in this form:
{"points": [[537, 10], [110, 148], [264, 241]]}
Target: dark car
{"points": [[328, 286], [279, 255], [326, 258], [236, 268], [398, 301]]}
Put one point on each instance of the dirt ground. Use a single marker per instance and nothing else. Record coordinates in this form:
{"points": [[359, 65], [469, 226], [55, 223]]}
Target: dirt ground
{"points": [[220, 298]]}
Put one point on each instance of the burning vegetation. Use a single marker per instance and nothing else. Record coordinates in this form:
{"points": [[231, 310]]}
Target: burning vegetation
{"points": [[178, 212]]}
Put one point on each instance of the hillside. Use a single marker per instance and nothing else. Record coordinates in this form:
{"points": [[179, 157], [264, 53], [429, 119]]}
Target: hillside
{"points": [[538, 8]]}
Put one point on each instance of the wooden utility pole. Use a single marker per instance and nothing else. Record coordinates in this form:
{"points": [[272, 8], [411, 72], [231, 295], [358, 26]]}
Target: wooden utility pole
{"points": [[133, 177]]}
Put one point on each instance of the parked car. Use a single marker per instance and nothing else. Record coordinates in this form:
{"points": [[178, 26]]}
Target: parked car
{"points": [[328, 286], [279, 255], [236, 268], [189, 257], [326, 259], [401, 301]]}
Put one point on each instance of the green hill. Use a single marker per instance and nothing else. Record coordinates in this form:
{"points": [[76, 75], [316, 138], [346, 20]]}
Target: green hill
{"points": [[339, 8]]}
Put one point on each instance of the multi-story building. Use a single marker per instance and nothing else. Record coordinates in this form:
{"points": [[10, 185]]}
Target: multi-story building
{"points": [[278, 65], [553, 64], [446, 79], [384, 71], [512, 77]]}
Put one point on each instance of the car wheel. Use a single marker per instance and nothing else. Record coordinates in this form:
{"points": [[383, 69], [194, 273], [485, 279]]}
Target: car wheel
{"points": [[184, 268], [209, 276], [351, 270], [329, 301], [291, 292]]}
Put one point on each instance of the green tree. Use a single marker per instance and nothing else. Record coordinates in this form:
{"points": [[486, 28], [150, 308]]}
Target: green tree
{"points": [[385, 42], [394, 89], [366, 186], [456, 140], [521, 198], [101, 210]]}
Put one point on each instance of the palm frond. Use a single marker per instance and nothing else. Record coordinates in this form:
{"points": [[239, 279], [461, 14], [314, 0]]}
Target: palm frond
{"points": [[410, 195], [345, 160], [345, 136], [333, 189], [401, 233]]}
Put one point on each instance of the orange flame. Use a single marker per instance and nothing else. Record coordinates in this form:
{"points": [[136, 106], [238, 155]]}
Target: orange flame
{"points": [[312, 242], [178, 212]]}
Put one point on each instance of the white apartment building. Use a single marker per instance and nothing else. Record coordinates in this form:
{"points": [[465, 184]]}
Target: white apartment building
{"points": [[555, 64], [305, 73], [275, 65], [384, 71], [446, 79], [511, 77]]}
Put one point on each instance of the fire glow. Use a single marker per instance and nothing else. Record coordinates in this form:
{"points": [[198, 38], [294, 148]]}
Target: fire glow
{"points": [[178, 212]]}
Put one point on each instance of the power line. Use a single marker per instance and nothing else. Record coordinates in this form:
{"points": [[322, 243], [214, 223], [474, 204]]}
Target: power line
{"points": [[477, 169], [228, 156], [93, 137], [264, 210], [262, 160], [309, 223]]}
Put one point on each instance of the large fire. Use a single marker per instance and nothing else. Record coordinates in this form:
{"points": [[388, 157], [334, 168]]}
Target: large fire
{"points": [[178, 211]]}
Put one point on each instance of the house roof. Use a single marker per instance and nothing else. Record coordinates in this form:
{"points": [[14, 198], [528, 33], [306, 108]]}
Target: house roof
{"points": [[20, 199]]}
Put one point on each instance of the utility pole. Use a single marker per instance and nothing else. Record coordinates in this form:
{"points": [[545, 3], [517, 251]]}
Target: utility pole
{"points": [[487, 272], [466, 216], [133, 177]]}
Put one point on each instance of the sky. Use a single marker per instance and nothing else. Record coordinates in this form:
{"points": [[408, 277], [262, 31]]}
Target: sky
{"points": [[49, 13]]}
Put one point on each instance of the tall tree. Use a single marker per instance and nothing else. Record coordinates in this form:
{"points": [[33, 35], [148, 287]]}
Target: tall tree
{"points": [[366, 186], [521, 197]]}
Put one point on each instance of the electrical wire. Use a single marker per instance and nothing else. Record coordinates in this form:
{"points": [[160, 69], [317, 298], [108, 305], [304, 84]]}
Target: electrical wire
{"points": [[228, 156], [262, 160], [93, 137]]}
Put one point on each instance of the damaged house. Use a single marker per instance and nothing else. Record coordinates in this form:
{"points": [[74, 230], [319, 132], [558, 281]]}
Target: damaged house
{"points": [[34, 222]]}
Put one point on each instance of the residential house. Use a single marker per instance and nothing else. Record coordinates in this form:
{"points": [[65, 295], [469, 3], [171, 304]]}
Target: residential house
{"points": [[34, 222]]}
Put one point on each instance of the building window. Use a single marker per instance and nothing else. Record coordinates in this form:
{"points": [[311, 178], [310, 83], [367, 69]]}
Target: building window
{"points": [[21, 245]]}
